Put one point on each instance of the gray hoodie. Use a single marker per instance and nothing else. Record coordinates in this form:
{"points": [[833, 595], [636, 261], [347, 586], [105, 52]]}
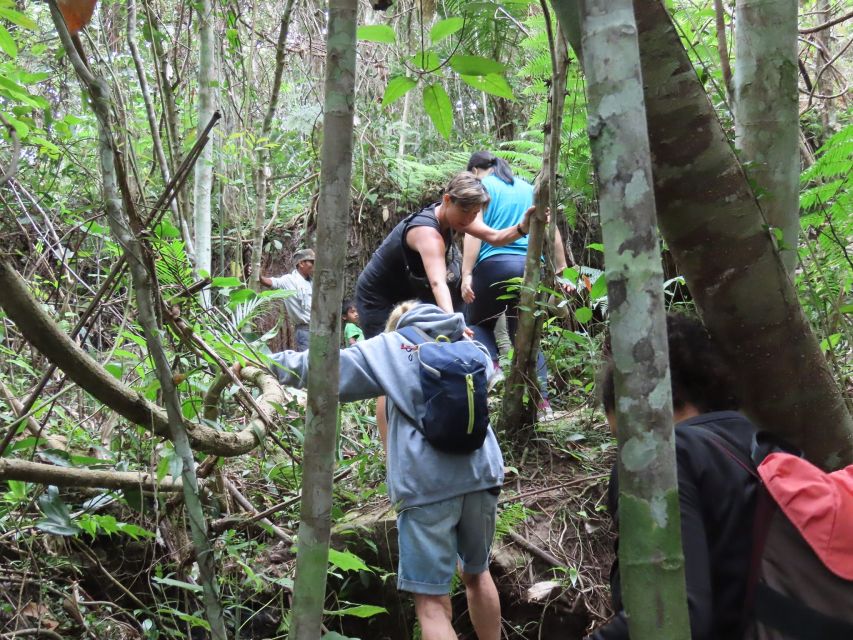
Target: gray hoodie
{"points": [[417, 473]]}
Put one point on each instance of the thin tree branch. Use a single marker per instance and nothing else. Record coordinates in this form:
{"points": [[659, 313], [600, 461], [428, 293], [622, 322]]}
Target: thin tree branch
{"points": [[828, 24]]}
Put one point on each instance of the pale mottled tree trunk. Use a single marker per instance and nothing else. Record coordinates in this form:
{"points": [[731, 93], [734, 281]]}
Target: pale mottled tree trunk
{"points": [[711, 222], [323, 372], [651, 559], [204, 165], [766, 111]]}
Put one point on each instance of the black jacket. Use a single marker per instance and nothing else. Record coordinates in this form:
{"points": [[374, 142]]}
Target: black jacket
{"points": [[717, 497]]}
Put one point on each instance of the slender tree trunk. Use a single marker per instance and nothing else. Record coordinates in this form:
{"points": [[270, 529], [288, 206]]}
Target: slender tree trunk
{"points": [[262, 170], [822, 80], [204, 166], [522, 374], [150, 113], [170, 120], [723, 47], [323, 371], [711, 222], [653, 586], [139, 264], [766, 111]]}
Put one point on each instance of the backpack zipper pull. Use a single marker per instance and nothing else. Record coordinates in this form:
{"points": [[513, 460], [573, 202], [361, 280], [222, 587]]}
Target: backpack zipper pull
{"points": [[469, 383]]}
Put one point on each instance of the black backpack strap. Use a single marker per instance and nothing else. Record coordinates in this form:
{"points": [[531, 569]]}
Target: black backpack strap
{"points": [[796, 620], [765, 507]]}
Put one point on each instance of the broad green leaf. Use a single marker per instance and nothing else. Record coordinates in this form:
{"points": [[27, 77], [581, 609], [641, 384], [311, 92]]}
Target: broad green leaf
{"points": [[846, 308], [334, 635], [171, 582], [57, 518], [583, 315], [134, 531], [493, 83], [426, 60], [445, 28], [576, 337], [7, 43], [599, 288], [439, 109], [595, 246], [347, 561], [240, 295], [18, 18], [475, 65], [227, 282], [359, 611], [377, 33], [398, 86], [570, 274]]}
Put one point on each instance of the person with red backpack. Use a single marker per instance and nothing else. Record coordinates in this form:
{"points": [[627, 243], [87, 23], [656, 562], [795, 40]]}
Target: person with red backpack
{"points": [[761, 529]]}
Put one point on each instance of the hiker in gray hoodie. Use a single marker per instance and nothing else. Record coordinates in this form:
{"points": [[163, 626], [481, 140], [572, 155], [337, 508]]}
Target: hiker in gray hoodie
{"points": [[446, 503]]}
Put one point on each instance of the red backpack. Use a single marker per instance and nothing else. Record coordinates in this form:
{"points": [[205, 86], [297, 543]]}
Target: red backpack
{"points": [[801, 575]]}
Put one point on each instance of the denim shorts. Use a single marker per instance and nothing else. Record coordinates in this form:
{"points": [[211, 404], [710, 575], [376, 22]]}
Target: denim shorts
{"points": [[433, 536]]}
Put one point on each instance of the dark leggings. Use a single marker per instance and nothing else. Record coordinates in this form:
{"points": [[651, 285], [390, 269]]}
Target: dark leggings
{"points": [[489, 283]]}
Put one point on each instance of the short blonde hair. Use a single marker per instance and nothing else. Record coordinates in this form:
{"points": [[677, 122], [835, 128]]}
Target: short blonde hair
{"points": [[397, 313], [466, 190]]}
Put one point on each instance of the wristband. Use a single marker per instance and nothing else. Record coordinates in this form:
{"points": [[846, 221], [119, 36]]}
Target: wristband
{"points": [[520, 232]]}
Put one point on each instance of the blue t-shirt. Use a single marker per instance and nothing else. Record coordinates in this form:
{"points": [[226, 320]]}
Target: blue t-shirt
{"points": [[506, 209]]}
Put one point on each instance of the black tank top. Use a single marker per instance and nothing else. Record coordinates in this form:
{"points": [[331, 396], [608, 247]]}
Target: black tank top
{"points": [[384, 279]]}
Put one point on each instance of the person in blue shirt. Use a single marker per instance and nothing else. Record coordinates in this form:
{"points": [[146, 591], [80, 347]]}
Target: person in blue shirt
{"points": [[486, 267]]}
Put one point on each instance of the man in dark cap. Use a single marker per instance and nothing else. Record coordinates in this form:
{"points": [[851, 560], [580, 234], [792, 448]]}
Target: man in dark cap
{"points": [[297, 305]]}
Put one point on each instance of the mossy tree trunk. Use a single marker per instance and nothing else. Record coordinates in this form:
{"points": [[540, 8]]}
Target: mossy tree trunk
{"points": [[323, 373], [650, 554], [766, 111]]}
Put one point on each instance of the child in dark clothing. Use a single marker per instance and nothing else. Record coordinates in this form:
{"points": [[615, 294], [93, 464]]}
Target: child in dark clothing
{"points": [[717, 496]]}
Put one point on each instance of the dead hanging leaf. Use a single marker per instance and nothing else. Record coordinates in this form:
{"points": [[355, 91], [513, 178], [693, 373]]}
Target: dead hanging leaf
{"points": [[38, 611], [77, 13], [385, 214]]}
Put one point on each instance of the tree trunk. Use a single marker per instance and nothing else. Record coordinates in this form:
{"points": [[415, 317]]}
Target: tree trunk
{"points": [[204, 165], [323, 372], [653, 586], [711, 222], [150, 113], [766, 112], [170, 121], [262, 170], [141, 268], [522, 374]]}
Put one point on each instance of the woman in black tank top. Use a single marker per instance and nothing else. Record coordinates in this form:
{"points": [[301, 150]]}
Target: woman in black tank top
{"points": [[412, 261]]}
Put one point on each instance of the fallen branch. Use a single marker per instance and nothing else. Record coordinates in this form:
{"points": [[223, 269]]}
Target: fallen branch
{"points": [[39, 329], [528, 546], [40, 473]]}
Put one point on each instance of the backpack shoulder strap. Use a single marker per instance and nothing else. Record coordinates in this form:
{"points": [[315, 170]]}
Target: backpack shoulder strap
{"points": [[764, 511], [415, 335]]}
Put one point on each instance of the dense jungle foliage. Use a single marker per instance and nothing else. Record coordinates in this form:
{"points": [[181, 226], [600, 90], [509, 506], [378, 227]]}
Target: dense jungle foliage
{"points": [[113, 557]]}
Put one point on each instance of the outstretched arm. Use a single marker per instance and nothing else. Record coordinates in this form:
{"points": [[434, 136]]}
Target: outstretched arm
{"points": [[498, 238], [357, 380]]}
